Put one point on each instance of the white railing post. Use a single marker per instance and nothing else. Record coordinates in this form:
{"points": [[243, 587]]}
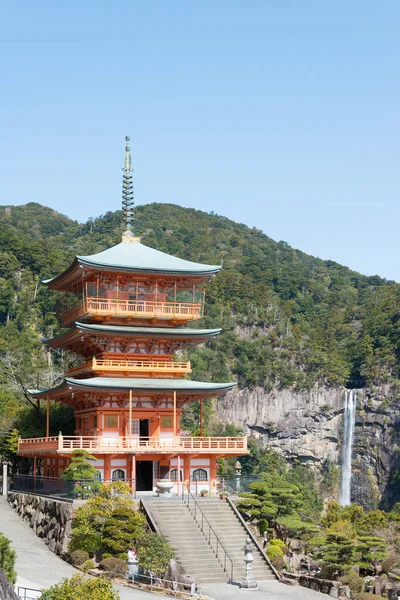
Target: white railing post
{"points": [[60, 441]]}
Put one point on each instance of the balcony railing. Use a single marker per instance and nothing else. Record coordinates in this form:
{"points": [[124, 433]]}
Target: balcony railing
{"points": [[142, 367], [135, 444], [114, 307]]}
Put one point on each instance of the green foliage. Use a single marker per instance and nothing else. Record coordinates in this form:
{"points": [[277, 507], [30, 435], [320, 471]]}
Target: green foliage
{"points": [[79, 587], [80, 468], [88, 565], [115, 567], [274, 552], [7, 559], [154, 554], [354, 581], [89, 520], [263, 526], [277, 542], [78, 557], [370, 549], [123, 528]]}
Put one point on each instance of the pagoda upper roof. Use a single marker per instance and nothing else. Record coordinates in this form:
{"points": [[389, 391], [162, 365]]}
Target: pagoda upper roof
{"points": [[144, 332], [131, 257], [182, 387]]}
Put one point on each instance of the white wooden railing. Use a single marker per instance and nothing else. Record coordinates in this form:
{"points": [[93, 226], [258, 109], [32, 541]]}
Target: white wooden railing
{"points": [[123, 444]]}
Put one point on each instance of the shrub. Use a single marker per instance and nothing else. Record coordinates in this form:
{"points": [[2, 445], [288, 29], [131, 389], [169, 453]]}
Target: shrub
{"points": [[274, 552], [278, 563], [78, 557], [277, 542], [123, 528], [88, 565], [354, 581], [154, 554], [7, 559], [263, 526], [389, 563], [88, 524], [79, 587], [115, 567], [367, 596]]}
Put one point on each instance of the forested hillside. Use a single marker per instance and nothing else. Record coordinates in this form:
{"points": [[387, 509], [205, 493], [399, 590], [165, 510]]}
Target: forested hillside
{"points": [[289, 319]]}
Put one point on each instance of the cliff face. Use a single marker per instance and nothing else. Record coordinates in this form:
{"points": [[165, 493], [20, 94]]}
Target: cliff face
{"points": [[308, 426]]}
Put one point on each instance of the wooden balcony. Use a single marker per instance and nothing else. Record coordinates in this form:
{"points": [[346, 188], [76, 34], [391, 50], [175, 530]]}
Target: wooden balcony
{"points": [[133, 445], [107, 308], [142, 368]]}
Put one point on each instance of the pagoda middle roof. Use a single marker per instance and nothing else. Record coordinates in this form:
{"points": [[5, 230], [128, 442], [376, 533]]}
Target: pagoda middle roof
{"points": [[135, 258], [167, 332], [181, 386]]}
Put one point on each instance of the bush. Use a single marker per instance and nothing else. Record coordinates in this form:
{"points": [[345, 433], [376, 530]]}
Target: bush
{"points": [[154, 554], [354, 581], [115, 567], [367, 596], [78, 557], [79, 587], [7, 559], [88, 565], [274, 552], [123, 528], [278, 563], [389, 563], [277, 542], [88, 524], [263, 526]]}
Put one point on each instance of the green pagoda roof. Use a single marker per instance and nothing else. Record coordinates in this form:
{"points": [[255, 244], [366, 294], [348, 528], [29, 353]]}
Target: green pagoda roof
{"points": [[184, 386], [137, 258], [163, 332]]}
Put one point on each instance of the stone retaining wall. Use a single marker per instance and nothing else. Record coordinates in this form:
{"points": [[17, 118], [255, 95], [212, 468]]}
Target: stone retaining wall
{"points": [[49, 518], [335, 589]]}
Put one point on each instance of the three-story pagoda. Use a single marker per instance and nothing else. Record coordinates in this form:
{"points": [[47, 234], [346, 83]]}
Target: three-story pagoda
{"points": [[131, 304]]}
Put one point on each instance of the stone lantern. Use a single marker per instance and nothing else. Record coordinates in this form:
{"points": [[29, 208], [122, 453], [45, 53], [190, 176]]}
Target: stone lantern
{"points": [[238, 473], [248, 583]]}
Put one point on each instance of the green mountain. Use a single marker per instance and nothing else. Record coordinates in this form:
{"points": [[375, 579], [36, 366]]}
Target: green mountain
{"points": [[289, 319]]}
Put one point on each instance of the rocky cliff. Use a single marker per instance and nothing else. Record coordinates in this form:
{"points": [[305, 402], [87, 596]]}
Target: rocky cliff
{"points": [[308, 426]]}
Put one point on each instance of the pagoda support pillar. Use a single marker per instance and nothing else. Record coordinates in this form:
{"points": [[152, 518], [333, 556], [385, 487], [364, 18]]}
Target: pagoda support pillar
{"points": [[107, 468], [133, 475], [213, 473], [48, 417], [186, 472]]}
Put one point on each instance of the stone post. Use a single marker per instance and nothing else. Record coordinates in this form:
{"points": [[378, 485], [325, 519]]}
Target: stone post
{"points": [[5, 478], [248, 583]]}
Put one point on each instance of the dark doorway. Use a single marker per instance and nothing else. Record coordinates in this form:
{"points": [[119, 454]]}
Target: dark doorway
{"points": [[144, 476], [144, 428]]}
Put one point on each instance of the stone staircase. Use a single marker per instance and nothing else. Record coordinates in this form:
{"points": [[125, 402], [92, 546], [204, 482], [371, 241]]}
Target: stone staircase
{"points": [[233, 535], [197, 557]]}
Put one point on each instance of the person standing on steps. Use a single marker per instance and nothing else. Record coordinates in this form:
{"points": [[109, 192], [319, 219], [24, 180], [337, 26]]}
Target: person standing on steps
{"points": [[133, 566]]}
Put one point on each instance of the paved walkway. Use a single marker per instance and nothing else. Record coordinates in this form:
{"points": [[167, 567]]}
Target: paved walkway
{"points": [[37, 567]]}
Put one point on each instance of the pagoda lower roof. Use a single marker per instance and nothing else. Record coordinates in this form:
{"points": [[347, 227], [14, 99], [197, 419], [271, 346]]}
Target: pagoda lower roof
{"points": [[182, 387], [133, 258], [139, 332]]}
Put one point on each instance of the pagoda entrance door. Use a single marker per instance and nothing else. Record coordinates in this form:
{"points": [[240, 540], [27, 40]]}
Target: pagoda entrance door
{"points": [[144, 475]]}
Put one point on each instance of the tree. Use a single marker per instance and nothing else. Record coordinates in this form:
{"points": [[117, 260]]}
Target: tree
{"points": [[80, 468], [7, 559], [79, 587], [89, 520], [154, 554], [123, 528]]}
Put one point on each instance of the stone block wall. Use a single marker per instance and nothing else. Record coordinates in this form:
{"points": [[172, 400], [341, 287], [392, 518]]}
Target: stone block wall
{"points": [[49, 518]]}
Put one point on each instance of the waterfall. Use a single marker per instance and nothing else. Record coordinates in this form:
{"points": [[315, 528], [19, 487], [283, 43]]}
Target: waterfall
{"points": [[350, 408]]}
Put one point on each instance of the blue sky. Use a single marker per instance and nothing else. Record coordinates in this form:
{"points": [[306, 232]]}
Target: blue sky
{"points": [[281, 114]]}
